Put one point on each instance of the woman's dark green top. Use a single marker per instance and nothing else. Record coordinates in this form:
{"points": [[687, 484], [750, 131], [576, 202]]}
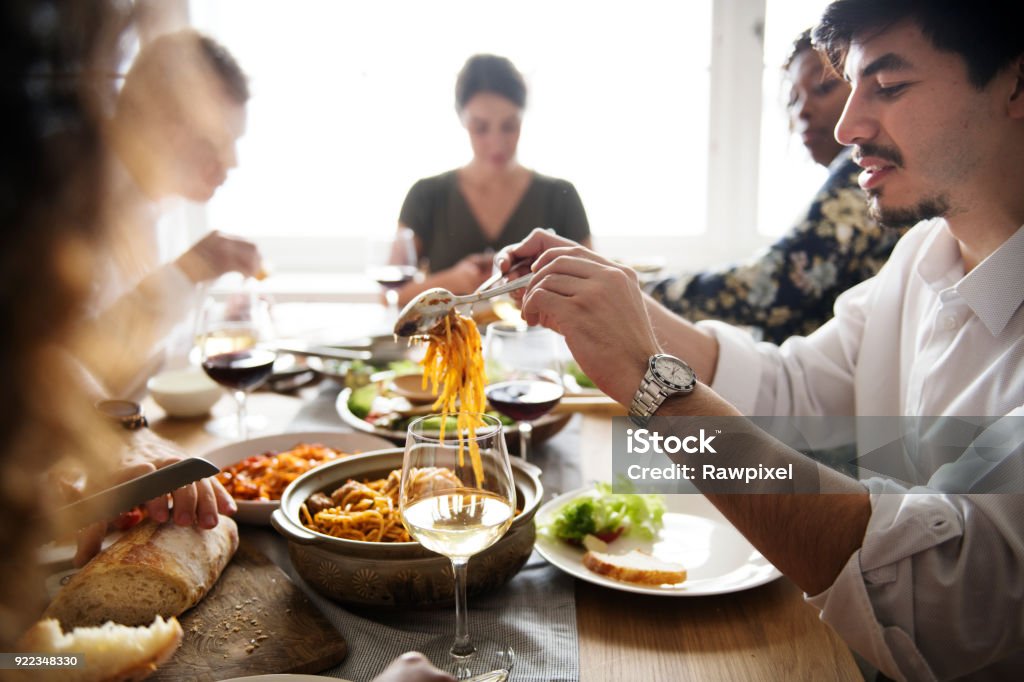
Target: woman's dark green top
{"points": [[437, 212]]}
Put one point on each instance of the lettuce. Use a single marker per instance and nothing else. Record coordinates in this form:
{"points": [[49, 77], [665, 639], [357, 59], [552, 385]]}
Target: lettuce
{"points": [[607, 515]]}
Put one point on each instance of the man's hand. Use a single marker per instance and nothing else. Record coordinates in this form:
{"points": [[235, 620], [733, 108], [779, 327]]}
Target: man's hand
{"points": [[218, 253], [198, 503], [412, 667], [595, 303]]}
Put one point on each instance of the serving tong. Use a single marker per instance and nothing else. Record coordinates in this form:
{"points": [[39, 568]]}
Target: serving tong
{"points": [[427, 310]]}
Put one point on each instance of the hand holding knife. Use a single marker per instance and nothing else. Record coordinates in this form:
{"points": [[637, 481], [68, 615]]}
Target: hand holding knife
{"points": [[92, 513]]}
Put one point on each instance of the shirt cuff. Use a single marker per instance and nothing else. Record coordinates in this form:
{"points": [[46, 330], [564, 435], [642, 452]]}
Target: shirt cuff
{"points": [[901, 525], [738, 373]]}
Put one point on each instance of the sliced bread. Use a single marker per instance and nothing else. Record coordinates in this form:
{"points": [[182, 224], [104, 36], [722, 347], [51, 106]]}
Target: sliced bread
{"points": [[153, 569], [110, 651], [635, 567]]}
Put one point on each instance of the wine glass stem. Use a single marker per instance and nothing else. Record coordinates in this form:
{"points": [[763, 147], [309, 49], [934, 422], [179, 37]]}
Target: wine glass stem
{"points": [[243, 421], [461, 646], [391, 297], [525, 433]]}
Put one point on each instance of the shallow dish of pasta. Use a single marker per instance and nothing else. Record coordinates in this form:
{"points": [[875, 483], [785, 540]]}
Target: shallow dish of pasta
{"points": [[351, 548], [257, 471]]}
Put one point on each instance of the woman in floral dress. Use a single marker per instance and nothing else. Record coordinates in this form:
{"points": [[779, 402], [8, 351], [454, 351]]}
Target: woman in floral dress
{"points": [[791, 288]]}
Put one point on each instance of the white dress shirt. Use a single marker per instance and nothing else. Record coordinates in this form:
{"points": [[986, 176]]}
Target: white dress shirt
{"points": [[139, 297], [937, 589]]}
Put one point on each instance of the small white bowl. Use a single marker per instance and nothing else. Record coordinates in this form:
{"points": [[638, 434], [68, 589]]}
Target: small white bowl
{"points": [[184, 392]]}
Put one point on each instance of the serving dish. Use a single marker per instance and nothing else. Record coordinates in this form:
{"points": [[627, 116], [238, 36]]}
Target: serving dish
{"points": [[543, 428], [257, 512], [384, 350], [396, 574]]}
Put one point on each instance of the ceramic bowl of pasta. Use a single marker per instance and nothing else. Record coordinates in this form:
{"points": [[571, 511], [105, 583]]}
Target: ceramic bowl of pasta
{"points": [[389, 571]]}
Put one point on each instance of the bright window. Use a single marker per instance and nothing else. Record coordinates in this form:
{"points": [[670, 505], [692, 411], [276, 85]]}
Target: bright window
{"points": [[353, 102]]}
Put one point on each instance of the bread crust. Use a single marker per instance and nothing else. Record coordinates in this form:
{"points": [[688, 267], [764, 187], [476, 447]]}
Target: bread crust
{"points": [[153, 569], [111, 652], [635, 567]]}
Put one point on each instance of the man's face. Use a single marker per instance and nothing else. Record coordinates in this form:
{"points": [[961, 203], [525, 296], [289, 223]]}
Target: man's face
{"points": [[922, 131], [204, 147]]}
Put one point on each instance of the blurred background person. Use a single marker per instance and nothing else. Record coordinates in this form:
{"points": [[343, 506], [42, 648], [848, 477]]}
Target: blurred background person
{"points": [[459, 218], [54, 197], [791, 287], [51, 192], [173, 134]]}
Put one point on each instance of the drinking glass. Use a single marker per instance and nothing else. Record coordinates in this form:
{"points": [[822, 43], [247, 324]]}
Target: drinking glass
{"points": [[457, 509], [228, 331], [524, 374], [391, 262]]}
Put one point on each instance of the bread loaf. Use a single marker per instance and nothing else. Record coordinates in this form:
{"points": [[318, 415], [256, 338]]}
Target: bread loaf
{"points": [[110, 652], [635, 567], [152, 570]]}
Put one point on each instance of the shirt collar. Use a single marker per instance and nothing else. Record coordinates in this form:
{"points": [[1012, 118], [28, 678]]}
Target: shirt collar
{"points": [[994, 289]]}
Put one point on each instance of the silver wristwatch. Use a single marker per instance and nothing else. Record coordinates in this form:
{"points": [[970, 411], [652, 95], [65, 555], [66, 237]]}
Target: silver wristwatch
{"points": [[665, 376]]}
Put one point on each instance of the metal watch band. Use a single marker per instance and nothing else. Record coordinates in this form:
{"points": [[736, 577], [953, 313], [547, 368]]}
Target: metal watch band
{"points": [[126, 413], [647, 399], [135, 422]]}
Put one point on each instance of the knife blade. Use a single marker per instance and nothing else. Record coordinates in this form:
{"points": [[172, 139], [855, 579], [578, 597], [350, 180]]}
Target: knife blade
{"points": [[108, 503], [330, 353]]}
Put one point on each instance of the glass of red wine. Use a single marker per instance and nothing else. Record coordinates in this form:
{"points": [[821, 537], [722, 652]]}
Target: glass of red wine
{"points": [[524, 374], [392, 263], [229, 331]]}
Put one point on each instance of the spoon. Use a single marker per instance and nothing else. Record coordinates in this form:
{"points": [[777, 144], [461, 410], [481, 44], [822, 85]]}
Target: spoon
{"points": [[426, 311]]}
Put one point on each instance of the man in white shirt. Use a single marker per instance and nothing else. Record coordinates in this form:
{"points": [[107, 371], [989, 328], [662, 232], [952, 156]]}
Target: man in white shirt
{"points": [[178, 117], [925, 586]]}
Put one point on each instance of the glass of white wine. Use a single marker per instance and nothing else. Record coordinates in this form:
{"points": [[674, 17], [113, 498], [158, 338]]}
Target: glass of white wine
{"points": [[457, 499]]}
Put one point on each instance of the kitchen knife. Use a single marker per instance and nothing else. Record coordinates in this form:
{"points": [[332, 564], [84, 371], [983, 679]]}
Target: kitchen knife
{"points": [[108, 503]]}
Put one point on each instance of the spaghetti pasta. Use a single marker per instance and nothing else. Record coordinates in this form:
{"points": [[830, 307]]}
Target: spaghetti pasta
{"points": [[454, 364], [368, 511], [265, 476]]}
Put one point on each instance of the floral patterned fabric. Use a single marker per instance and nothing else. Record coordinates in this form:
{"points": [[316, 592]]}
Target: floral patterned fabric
{"points": [[791, 288]]}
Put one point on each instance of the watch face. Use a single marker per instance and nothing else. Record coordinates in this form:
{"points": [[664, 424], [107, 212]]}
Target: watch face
{"points": [[674, 372], [119, 409]]}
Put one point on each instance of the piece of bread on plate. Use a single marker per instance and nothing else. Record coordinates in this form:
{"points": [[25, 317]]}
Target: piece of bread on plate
{"points": [[110, 651], [635, 567], [152, 570]]}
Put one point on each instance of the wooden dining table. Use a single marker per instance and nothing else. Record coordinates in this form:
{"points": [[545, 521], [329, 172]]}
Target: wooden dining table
{"points": [[763, 633]]}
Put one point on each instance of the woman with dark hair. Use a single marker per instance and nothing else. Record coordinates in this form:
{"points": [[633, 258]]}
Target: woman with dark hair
{"points": [[791, 288], [460, 216]]}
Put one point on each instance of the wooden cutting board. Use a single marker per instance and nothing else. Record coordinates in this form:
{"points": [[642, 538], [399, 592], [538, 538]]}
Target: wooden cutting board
{"points": [[254, 621]]}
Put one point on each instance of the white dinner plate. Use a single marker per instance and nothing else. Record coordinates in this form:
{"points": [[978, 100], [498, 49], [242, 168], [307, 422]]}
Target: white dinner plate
{"points": [[258, 512], [718, 560]]}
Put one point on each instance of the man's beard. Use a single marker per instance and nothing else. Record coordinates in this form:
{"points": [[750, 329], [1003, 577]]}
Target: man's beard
{"points": [[931, 207]]}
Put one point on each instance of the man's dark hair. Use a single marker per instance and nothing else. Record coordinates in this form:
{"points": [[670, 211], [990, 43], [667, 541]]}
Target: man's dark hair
{"points": [[227, 69], [489, 73], [987, 34]]}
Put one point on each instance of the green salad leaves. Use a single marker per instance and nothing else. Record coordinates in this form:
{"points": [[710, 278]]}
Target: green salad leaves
{"points": [[607, 515]]}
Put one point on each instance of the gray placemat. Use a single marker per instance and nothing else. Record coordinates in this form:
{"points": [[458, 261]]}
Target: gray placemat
{"points": [[535, 613]]}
